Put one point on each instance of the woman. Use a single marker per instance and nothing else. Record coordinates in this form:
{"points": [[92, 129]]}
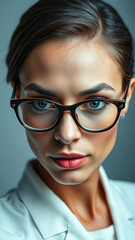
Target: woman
{"points": [[71, 67]]}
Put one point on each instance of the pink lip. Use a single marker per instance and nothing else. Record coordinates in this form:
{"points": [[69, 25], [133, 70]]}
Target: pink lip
{"points": [[68, 160]]}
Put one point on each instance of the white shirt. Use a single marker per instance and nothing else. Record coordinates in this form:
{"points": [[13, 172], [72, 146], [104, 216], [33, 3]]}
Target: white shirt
{"points": [[104, 234], [34, 212]]}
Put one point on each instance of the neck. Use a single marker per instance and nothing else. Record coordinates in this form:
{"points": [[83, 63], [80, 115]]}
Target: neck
{"points": [[86, 200]]}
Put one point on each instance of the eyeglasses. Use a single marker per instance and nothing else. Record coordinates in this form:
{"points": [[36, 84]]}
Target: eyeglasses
{"points": [[96, 114]]}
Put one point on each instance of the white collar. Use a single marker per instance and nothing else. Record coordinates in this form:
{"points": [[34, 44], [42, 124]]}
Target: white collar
{"points": [[50, 214]]}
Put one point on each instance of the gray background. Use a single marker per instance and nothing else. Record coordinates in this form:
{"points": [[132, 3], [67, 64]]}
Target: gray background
{"points": [[14, 149]]}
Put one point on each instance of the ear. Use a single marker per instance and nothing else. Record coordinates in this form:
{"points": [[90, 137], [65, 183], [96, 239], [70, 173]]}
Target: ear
{"points": [[17, 94], [129, 95]]}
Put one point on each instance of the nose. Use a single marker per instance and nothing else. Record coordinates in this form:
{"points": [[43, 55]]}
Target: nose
{"points": [[67, 130]]}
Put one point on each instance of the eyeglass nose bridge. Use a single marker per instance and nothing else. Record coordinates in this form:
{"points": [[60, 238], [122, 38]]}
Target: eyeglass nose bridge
{"points": [[67, 109]]}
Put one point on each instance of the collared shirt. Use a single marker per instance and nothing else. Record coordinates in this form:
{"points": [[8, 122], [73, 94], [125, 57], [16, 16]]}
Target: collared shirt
{"points": [[34, 212]]}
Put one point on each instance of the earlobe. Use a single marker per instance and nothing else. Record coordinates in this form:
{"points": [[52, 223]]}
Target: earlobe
{"points": [[129, 95]]}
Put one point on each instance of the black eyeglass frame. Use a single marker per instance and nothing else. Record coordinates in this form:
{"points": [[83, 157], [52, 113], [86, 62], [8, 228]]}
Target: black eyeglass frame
{"points": [[120, 104]]}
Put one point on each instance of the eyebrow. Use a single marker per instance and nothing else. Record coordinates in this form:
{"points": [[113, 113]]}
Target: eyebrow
{"points": [[38, 89], [95, 89]]}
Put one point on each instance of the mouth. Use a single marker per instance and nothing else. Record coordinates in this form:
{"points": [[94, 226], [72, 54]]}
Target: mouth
{"points": [[68, 160]]}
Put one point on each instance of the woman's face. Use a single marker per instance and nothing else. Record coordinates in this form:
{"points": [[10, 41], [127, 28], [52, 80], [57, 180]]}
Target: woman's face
{"points": [[66, 69]]}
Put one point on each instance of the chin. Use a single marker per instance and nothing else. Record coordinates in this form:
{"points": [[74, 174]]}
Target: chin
{"points": [[70, 178]]}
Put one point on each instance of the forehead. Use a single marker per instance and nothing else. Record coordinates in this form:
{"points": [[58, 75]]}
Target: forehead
{"points": [[72, 62]]}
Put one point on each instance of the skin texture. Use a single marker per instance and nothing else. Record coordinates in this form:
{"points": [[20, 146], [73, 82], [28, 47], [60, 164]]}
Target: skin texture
{"points": [[67, 68]]}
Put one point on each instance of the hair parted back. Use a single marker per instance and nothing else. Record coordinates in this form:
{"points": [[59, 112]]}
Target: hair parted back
{"points": [[59, 19]]}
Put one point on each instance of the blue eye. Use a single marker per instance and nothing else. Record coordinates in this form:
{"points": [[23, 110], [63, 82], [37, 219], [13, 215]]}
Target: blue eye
{"points": [[96, 105], [41, 106]]}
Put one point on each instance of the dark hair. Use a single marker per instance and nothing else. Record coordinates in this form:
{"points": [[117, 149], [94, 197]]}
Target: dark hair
{"points": [[56, 19]]}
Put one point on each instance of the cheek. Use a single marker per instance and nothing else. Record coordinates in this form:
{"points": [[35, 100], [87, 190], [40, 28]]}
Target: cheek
{"points": [[39, 141], [104, 142]]}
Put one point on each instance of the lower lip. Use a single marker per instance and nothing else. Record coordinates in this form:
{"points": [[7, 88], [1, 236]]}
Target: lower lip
{"points": [[71, 163]]}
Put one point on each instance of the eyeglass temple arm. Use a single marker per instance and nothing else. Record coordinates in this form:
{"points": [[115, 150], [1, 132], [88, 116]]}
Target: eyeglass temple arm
{"points": [[14, 90], [126, 93]]}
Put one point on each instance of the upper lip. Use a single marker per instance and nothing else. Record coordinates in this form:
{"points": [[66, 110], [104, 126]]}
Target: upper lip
{"points": [[67, 156]]}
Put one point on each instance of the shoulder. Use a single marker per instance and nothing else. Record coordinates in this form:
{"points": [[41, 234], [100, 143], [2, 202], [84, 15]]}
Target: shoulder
{"points": [[123, 191], [12, 211], [15, 219], [10, 204], [123, 187]]}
